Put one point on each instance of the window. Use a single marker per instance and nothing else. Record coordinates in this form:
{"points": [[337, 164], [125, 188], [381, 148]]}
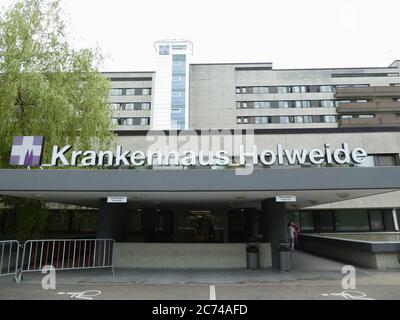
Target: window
{"points": [[368, 163], [263, 90], [128, 121], [116, 92], [244, 104], [296, 89], [244, 90], [261, 120], [177, 78], [376, 220], [306, 104], [265, 104], [144, 121], [298, 119], [346, 116], [239, 120], [237, 90], [366, 116], [129, 106], [115, 106], [245, 120], [329, 119], [176, 110], [327, 104], [352, 220], [146, 92], [325, 89], [297, 104], [340, 102], [307, 119], [145, 106], [326, 221], [306, 221], [282, 90], [255, 90], [256, 104], [238, 105], [115, 121], [164, 50], [283, 104], [284, 120], [176, 94], [130, 92], [386, 160]]}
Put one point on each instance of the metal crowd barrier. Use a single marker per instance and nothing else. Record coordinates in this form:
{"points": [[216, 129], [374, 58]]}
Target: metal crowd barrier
{"points": [[9, 251], [66, 255]]}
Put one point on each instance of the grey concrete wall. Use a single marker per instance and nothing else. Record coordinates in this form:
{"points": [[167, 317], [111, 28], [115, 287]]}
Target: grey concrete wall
{"points": [[187, 256], [354, 252]]}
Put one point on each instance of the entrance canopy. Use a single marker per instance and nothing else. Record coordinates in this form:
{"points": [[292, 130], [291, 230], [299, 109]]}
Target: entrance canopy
{"points": [[200, 188]]}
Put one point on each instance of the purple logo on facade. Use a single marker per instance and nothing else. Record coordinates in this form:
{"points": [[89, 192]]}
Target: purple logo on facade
{"points": [[27, 151]]}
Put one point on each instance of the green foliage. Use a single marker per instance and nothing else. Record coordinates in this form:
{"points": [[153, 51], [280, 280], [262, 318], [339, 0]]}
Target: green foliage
{"points": [[46, 87], [29, 218]]}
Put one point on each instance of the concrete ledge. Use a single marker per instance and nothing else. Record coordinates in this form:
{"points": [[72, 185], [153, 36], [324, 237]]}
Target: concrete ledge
{"points": [[187, 256], [377, 255]]}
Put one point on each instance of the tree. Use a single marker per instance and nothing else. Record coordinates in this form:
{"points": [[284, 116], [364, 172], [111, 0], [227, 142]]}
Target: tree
{"points": [[47, 88]]}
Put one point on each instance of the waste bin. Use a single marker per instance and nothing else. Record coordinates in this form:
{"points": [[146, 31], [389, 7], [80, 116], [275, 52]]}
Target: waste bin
{"points": [[252, 257], [285, 257]]}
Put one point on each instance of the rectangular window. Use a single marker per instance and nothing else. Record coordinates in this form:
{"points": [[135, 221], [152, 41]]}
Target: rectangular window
{"points": [[386, 160], [244, 90], [366, 116], [116, 92], [263, 90], [306, 221], [346, 116], [164, 50], [244, 104], [130, 106], [325, 89], [238, 105], [340, 102], [245, 120], [256, 104], [352, 220], [326, 221], [306, 104], [128, 121], [284, 120], [376, 220], [130, 92], [239, 120], [146, 92], [329, 119], [327, 104], [145, 106], [283, 104], [307, 119], [237, 90], [144, 121], [282, 90], [176, 94], [298, 119], [115, 121], [297, 104], [265, 104], [115, 106], [296, 89], [255, 90]]}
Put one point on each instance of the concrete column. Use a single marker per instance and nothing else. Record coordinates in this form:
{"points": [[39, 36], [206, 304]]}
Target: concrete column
{"points": [[113, 221], [250, 224], [274, 226]]}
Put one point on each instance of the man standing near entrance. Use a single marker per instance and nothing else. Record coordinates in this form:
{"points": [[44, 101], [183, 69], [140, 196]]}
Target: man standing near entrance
{"points": [[296, 229], [291, 235]]}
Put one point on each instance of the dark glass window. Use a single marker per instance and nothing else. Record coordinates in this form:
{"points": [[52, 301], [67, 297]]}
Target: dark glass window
{"points": [[326, 221], [352, 220], [386, 160], [376, 220]]}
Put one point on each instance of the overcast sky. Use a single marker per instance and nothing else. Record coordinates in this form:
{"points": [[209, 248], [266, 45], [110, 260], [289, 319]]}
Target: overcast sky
{"points": [[289, 33]]}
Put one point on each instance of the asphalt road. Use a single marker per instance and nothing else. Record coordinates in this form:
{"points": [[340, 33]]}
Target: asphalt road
{"points": [[291, 291]]}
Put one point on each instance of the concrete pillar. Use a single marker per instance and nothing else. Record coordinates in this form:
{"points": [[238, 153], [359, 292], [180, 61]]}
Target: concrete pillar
{"points": [[274, 226], [113, 221], [250, 223], [395, 220]]}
